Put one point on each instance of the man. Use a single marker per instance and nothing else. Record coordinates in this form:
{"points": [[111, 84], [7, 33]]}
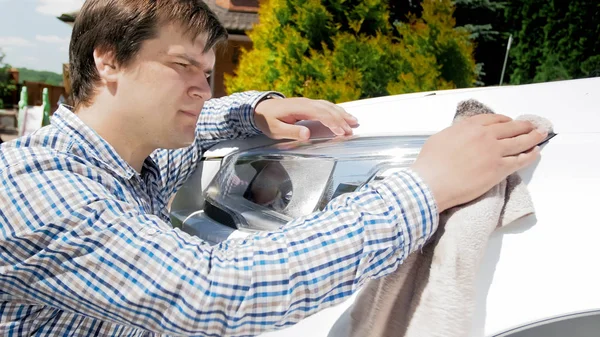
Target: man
{"points": [[85, 244]]}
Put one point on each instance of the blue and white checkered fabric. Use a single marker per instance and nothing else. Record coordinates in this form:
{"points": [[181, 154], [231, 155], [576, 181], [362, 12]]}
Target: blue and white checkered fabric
{"points": [[86, 248]]}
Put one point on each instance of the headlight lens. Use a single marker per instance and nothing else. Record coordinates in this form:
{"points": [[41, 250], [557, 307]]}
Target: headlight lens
{"points": [[264, 188]]}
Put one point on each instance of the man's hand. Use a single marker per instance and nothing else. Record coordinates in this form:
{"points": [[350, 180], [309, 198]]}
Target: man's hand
{"points": [[276, 117], [465, 160]]}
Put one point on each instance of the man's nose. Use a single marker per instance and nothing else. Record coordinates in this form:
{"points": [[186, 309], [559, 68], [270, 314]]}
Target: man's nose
{"points": [[200, 89]]}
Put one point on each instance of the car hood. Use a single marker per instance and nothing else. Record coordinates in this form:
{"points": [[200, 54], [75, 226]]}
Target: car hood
{"points": [[572, 106]]}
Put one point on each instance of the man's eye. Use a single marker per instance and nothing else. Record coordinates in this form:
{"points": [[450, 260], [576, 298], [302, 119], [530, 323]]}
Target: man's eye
{"points": [[183, 65]]}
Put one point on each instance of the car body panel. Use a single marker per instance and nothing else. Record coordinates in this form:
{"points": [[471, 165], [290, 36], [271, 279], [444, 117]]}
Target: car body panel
{"points": [[539, 267]]}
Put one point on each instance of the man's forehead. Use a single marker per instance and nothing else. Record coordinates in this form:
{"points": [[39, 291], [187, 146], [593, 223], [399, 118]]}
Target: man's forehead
{"points": [[175, 42], [176, 32]]}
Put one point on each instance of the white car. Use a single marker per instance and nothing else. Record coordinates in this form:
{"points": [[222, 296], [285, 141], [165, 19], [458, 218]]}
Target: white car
{"points": [[539, 277]]}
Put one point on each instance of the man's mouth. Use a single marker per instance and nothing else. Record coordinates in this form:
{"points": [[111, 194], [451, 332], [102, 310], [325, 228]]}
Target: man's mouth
{"points": [[190, 113]]}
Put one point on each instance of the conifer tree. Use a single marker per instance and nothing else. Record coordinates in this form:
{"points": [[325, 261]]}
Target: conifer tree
{"points": [[554, 40], [7, 85], [485, 21], [343, 50], [436, 55]]}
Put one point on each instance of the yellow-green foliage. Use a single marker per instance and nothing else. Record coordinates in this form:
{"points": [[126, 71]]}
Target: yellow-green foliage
{"points": [[436, 55], [343, 50]]}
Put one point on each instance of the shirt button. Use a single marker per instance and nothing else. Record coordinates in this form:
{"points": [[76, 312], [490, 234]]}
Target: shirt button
{"points": [[151, 231]]}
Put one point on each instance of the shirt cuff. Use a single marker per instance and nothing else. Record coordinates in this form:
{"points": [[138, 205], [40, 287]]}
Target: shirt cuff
{"points": [[419, 212], [248, 116]]}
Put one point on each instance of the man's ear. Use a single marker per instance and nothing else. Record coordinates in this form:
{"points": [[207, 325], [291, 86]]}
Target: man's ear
{"points": [[106, 65]]}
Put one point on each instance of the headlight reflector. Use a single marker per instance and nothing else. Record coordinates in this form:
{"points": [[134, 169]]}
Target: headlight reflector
{"points": [[264, 188]]}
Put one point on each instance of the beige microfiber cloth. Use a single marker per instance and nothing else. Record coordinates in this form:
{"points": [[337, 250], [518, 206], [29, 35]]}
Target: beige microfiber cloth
{"points": [[432, 294]]}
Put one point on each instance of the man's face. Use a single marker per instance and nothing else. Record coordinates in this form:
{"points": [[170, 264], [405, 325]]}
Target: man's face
{"points": [[163, 89]]}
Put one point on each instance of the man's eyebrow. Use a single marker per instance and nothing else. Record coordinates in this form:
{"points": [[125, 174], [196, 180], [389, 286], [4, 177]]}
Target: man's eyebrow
{"points": [[192, 62]]}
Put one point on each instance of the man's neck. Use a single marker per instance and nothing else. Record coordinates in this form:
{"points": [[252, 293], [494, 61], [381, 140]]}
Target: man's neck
{"points": [[106, 122]]}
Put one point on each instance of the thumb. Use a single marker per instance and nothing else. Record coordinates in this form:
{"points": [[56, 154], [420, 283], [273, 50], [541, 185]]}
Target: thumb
{"points": [[291, 131]]}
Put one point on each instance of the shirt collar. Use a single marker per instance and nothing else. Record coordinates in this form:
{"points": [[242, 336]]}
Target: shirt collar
{"points": [[68, 122]]}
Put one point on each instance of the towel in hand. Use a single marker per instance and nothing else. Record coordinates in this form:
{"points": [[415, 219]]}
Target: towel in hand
{"points": [[433, 292]]}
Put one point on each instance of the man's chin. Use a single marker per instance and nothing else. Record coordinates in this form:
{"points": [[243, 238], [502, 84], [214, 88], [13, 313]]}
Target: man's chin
{"points": [[179, 142]]}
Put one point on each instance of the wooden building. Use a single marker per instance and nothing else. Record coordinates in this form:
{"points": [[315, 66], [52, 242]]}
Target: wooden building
{"points": [[34, 92]]}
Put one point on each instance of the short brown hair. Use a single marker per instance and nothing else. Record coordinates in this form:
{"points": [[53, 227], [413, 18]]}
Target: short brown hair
{"points": [[120, 26]]}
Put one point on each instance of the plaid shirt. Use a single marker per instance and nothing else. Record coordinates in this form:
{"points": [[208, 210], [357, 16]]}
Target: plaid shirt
{"points": [[86, 248]]}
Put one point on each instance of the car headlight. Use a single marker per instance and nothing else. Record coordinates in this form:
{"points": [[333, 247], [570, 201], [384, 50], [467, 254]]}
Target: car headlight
{"points": [[264, 188]]}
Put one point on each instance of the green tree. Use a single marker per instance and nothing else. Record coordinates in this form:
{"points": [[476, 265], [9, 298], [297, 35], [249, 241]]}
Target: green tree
{"points": [[486, 22], [591, 66], [343, 50], [435, 54], [554, 39], [48, 77], [7, 85]]}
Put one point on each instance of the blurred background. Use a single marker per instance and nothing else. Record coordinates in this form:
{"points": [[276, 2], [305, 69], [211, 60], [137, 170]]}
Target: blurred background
{"points": [[339, 50]]}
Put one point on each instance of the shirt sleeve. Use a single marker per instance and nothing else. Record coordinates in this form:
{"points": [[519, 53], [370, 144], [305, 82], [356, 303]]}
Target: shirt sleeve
{"points": [[78, 248], [229, 117]]}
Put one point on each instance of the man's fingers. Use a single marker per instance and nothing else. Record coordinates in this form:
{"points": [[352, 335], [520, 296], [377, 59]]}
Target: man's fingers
{"points": [[489, 119], [290, 131], [512, 129], [522, 143], [313, 115], [272, 115], [336, 124], [329, 116], [521, 160], [339, 125], [351, 120]]}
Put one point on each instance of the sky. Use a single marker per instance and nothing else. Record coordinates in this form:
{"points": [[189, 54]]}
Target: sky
{"points": [[32, 37]]}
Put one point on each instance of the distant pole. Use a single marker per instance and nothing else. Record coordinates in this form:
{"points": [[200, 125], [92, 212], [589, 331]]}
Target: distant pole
{"points": [[45, 108], [505, 58], [22, 110]]}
